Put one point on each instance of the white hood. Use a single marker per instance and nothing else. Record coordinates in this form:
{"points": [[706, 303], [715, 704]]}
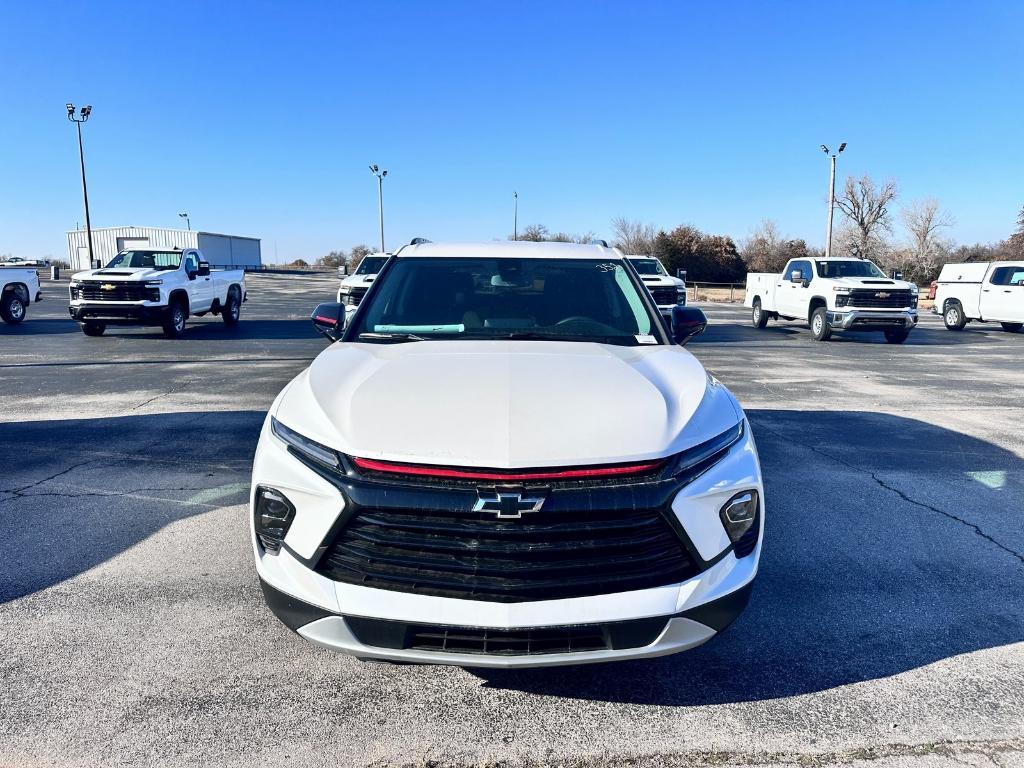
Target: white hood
{"points": [[363, 281], [121, 274], [872, 283], [662, 280], [507, 404]]}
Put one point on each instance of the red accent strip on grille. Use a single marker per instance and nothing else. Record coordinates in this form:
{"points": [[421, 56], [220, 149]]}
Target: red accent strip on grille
{"points": [[544, 474]]}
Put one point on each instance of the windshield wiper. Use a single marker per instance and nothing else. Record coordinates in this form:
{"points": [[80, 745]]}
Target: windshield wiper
{"points": [[372, 336]]}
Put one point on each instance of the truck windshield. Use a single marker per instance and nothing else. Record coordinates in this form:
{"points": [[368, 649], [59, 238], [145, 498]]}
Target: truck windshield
{"points": [[146, 259], [851, 268], [371, 265], [504, 298], [648, 266]]}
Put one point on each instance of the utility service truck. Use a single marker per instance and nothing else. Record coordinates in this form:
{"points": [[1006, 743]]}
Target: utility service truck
{"points": [[985, 292], [18, 288], [161, 286], [834, 295]]}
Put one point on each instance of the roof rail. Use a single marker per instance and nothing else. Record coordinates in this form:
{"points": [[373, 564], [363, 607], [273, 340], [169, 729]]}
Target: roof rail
{"points": [[419, 241]]}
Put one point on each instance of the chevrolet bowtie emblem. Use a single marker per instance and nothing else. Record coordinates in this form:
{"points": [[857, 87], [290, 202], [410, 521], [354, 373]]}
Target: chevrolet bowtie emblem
{"points": [[507, 505], [882, 295], [108, 287]]}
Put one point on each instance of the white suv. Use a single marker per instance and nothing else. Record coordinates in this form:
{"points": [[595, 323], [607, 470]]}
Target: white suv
{"points": [[506, 460]]}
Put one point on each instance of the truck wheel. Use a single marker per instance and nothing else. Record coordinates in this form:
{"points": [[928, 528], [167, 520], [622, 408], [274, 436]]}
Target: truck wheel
{"points": [[174, 325], [953, 317], [230, 311], [12, 308], [93, 329], [1012, 327], [758, 316], [896, 336], [819, 325]]}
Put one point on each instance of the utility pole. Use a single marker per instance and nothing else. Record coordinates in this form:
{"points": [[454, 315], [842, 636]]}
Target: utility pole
{"points": [[83, 115], [515, 217], [380, 200], [831, 195]]}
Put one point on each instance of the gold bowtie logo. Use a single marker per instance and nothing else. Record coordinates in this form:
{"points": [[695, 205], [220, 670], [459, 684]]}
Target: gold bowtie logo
{"points": [[108, 287], [882, 295]]}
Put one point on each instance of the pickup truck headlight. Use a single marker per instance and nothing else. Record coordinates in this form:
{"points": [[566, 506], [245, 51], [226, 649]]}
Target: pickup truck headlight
{"points": [[680, 295], [842, 301], [310, 449]]}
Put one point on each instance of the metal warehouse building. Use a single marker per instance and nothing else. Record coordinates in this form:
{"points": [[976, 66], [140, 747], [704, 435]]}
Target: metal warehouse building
{"points": [[219, 250]]}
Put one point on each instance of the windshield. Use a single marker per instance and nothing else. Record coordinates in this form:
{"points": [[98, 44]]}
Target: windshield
{"points": [[502, 298], [371, 265], [150, 259], [648, 266], [852, 268]]}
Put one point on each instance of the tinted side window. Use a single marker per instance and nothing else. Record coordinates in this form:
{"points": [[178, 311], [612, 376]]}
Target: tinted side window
{"points": [[808, 272], [1007, 276]]}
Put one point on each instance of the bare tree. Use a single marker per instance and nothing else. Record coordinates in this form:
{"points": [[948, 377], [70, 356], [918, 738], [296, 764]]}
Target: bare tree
{"points": [[633, 237], [357, 254], [924, 220], [866, 207]]}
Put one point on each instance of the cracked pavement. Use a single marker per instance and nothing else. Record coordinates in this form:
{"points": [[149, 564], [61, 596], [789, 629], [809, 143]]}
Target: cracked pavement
{"points": [[886, 627]]}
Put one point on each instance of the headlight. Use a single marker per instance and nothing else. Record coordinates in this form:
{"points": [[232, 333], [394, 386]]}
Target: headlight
{"points": [[311, 449], [345, 289], [838, 289], [154, 282], [76, 284], [695, 461]]}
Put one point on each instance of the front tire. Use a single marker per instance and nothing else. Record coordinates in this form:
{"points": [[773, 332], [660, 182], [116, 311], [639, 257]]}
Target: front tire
{"points": [[758, 316], [174, 325], [93, 329], [231, 310], [954, 317], [895, 336], [819, 325], [12, 308], [1012, 327]]}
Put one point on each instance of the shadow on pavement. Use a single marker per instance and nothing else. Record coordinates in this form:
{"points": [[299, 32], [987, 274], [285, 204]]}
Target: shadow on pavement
{"points": [[856, 581], [75, 493]]}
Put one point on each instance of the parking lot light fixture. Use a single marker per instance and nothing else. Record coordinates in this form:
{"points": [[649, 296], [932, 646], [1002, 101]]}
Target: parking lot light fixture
{"points": [[515, 216], [831, 194], [188, 222], [83, 115], [376, 171]]}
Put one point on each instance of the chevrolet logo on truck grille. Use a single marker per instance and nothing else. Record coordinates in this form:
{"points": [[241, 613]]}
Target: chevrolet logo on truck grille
{"points": [[882, 295], [108, 287], [507, 506]]}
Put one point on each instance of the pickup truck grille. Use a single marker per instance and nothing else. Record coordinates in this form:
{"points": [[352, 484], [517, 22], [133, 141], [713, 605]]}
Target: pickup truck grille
{"points": [[94, 291], [352, 299], [475, 556], [663, 296], [879, 299]]}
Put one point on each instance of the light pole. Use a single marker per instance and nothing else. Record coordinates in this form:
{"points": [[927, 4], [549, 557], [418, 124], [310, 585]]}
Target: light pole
{"points": [[515, 217], [83, 115], [831, 195], [188, 222], [380, 199]]}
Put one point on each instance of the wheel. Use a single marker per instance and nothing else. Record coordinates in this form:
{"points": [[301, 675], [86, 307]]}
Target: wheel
{"points": [[819, 325], [12, 308], [174, 325], [896, 336], [1012, 327], [230, 311], [954, 317], [758, 316], [93, 329]]}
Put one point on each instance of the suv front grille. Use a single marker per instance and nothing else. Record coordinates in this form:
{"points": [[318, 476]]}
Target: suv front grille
{"points": [[544, 555], [123, 291], [663, 296], [527, 641], [879, 299]]}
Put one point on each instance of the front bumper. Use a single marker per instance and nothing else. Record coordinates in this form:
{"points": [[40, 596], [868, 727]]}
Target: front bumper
{"points": [[321, 610], [119, 314], [872, 320]]}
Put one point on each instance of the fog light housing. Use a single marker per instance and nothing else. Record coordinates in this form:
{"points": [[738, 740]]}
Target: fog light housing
{"points": [[273, 514], [739, 516]]}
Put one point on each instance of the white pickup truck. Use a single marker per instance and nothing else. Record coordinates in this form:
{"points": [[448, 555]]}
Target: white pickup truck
{"points": [[987, 292], [834, 295], [18, 288], [158, 286], [354, 286], [666, 290]]}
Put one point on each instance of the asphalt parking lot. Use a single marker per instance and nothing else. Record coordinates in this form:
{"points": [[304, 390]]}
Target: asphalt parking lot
{"points": [[886, 627]]}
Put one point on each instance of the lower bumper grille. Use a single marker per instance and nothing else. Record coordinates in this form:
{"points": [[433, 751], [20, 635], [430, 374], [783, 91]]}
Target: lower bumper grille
{"points": [[440, 638], [471, 555]]}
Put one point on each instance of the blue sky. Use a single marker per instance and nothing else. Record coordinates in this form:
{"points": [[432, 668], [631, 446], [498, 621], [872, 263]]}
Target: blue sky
{"points": [[261, 118]]}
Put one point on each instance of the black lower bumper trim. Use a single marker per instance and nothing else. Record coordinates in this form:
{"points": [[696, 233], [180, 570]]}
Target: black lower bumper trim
{"points": [[720, 613], [134, 314], [294, 613]]}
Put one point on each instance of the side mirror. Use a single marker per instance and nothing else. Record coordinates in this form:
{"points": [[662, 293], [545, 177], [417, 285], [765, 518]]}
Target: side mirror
{"points": [[687, 322], [796, 276], [329, 319], [204, 269]]}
